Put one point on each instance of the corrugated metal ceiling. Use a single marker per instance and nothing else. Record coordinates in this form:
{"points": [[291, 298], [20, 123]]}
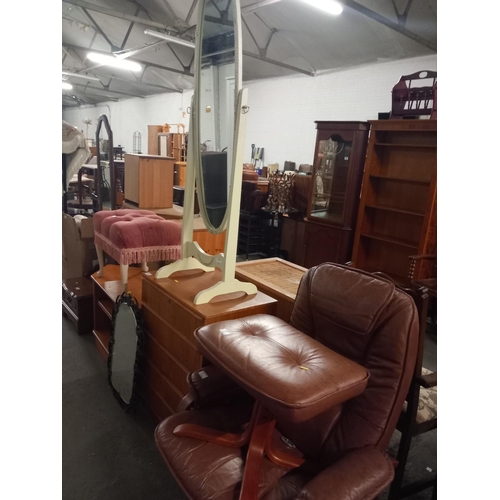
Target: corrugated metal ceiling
{"points": [[279, 38]]}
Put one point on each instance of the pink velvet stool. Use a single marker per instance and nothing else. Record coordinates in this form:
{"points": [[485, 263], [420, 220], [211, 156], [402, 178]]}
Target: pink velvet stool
{"points": [[135, 236]]}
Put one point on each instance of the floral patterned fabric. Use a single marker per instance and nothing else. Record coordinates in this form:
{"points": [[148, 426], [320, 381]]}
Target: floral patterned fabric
{"points": [[427, 404]]}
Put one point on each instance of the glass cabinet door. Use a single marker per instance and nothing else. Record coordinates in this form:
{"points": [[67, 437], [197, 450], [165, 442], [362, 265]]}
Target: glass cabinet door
{"points": [[331, 169]]}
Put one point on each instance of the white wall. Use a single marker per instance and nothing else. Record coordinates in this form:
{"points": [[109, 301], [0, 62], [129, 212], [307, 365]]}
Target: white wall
{"points": [[282, 110], [130, 115]]}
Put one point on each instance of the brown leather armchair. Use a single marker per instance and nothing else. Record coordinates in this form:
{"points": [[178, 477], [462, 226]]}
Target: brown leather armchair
{"points": [[302, 410]]}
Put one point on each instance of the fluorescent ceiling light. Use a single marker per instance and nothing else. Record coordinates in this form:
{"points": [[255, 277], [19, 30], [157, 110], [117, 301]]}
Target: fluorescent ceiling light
{"points": [[80, 75], [66, 86], [329, 6], [116, 62], [169, 38]]}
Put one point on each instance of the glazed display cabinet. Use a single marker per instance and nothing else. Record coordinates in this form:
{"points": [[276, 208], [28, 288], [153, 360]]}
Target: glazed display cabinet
{"points": [[327, 233], [339, 158]]}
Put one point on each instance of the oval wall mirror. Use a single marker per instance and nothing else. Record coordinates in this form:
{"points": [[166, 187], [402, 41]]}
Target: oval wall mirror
{"points": [[125, 350], [218, 87]]}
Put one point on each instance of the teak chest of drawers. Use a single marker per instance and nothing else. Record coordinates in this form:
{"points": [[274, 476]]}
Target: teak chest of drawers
{"points": [[170, 319]]}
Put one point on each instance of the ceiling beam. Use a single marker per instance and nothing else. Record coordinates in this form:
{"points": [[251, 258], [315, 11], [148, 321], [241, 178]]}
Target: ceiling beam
{"points": [[147, 63], [218, 20], [278, 63], [120, 15], [402, 18], [106, 91], [250, 33], [98, 28], [387, 22], [118, 79], [131, 25], [191, 10], [248, 9], [178, 22]]}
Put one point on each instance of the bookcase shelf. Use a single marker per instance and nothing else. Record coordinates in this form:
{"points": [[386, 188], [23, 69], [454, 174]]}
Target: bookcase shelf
{"points": [[398, 179], [394, 145], [397, 212], [392, 241]]}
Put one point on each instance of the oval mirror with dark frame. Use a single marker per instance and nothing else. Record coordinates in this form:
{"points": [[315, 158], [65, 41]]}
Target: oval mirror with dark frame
{"points": [[125, 350]]}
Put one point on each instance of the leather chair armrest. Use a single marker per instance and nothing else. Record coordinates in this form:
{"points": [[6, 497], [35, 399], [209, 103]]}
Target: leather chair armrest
{"points": [[428, 381], [362, 474]]}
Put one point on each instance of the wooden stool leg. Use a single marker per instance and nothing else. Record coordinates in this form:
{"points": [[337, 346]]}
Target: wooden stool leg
{"points": [[124, 274]]}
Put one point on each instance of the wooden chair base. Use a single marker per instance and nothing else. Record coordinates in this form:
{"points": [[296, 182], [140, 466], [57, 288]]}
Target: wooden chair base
{"points": [[258, 435]]}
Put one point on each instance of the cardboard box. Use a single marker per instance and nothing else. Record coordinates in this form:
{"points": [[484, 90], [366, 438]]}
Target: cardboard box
{"points": [[79, 256]]}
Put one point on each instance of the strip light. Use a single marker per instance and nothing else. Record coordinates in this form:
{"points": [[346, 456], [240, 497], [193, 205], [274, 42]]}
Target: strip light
{"points": [[115, 62], [169, 38], [81, 75], [329, 6], [66, 86]]}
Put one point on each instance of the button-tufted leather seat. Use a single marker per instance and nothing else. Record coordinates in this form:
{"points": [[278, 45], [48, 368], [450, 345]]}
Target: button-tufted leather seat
{"points": [[332, 383]]}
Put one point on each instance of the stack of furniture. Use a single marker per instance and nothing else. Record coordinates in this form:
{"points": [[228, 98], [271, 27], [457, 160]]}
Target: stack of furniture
{"points": [[153, 146], [258, 233], [81, 189], [409, 100], [172, 144], [77, 303], [162, 142], [149, 181], [397, 212], [254, 224]]}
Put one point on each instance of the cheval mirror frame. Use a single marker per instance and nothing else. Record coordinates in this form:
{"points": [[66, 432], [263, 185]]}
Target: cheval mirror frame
{"points": [[192, 256]]}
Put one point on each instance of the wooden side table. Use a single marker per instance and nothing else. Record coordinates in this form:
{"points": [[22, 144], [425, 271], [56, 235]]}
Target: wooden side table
{"points": [[106, 289], [275, 277]]}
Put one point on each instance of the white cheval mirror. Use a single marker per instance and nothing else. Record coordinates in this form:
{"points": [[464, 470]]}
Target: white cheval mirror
{"points": [[215, 148]]}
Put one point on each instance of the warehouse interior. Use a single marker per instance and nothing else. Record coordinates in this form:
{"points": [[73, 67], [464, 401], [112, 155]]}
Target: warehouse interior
{"points": [[249, 194]]}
